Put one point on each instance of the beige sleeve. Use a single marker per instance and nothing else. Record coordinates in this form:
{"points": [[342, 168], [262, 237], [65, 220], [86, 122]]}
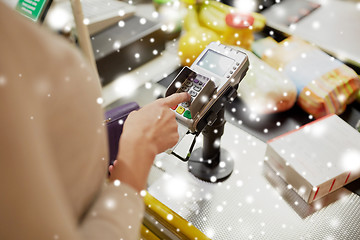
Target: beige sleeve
{"points": [[33, 202], [48, 165], [117, 212]]}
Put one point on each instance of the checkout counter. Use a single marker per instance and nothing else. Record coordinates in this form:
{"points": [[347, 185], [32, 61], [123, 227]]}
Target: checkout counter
{"points": [[137, 62], [254, 202]]}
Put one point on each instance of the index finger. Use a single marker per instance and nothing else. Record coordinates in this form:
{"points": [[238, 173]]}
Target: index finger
{"points": [[176, 98]]}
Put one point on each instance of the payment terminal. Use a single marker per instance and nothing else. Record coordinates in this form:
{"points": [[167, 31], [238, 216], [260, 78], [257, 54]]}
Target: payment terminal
{"points": [[211, 80]]}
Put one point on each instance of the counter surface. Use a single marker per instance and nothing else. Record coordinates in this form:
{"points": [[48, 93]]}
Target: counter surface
{"points": [[253, 203]]}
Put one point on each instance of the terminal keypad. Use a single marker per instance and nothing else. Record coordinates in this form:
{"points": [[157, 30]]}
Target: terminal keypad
{"points": [[193, 86]]}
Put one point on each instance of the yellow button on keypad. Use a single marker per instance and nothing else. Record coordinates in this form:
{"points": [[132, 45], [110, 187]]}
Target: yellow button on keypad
{"points": [[180, 110]]}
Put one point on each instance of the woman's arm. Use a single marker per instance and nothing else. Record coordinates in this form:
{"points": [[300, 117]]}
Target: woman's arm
{"points": [[147, 132]]}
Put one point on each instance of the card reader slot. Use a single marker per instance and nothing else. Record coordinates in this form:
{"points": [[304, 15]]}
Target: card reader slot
{"points": [[182, 76]]}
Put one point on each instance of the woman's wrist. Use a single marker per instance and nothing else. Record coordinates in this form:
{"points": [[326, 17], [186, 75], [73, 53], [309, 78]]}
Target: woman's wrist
{"points": [[128, 175], [133, 164]]}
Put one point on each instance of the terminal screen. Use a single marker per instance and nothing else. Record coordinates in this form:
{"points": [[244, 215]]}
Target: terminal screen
{"points": [[215, 62], [31, 8]]}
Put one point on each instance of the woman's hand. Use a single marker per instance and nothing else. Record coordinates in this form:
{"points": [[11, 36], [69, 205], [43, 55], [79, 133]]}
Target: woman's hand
{"points": [[147, 132]]}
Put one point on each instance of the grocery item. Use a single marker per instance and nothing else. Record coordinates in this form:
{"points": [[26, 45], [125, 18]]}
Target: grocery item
{"points": [[195, 39], [205, 22], [316, 159], [212, 14], [212, 18], [239, 30], [324, 84], [265, 90]]}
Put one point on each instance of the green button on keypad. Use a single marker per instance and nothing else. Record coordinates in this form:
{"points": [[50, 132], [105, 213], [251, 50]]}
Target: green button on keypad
{"points": [[187, 114]]}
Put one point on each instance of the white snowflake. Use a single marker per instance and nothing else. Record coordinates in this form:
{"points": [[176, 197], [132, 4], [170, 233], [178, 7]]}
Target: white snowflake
{"points": [[2, 81]]}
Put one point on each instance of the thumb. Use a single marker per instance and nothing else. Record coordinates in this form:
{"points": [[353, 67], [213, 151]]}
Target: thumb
{"points": [[176, 98]]}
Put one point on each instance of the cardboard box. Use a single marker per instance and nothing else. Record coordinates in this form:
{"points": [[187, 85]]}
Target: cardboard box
{"points": [[318, 158]]}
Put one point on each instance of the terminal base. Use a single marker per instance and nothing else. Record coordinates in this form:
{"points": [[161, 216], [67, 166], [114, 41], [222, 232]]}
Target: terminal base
{"points": [[212, 170]]}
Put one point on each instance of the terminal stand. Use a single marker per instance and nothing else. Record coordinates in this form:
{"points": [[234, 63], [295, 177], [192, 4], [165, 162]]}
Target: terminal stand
{"points": [[211, 163]]}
